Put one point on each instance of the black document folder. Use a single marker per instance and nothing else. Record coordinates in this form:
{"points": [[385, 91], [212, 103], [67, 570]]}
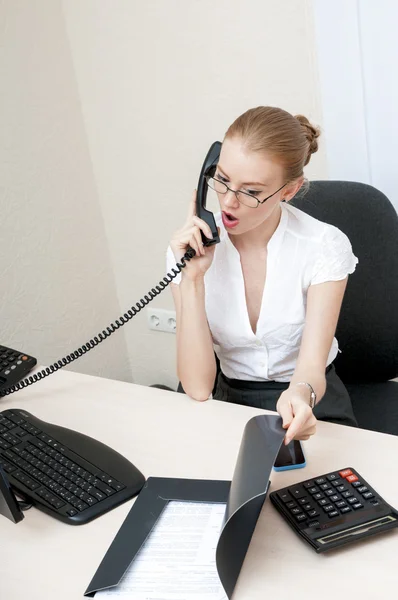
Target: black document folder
{"points": [[244, 497]]}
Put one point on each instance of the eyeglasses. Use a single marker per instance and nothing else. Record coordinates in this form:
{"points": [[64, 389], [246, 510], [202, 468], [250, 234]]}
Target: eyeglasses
{"points": [[243, 197]]}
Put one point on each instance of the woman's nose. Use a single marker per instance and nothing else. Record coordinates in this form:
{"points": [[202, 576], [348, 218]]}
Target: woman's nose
{"points": [[230, 199]]}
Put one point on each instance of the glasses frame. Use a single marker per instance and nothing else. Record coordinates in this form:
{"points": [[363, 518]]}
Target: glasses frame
{"points": [[236, 192]]}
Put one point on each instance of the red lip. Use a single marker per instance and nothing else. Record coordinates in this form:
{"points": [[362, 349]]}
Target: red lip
{"points": [[229, 220]]}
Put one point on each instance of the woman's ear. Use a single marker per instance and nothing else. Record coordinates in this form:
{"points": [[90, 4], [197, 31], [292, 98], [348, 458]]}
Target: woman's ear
{"points": [[292, 189]]}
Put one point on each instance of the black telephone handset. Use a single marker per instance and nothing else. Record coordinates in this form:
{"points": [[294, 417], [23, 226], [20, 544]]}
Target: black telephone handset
{"points": [[9, 385], [208, 168]]}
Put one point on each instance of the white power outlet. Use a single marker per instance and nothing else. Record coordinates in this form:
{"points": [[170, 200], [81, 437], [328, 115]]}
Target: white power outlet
{"points": [[162, 320]]}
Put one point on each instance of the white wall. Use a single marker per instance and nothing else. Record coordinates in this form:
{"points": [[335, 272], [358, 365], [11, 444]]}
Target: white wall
{"points": [[109, 107], [158, 82], [57, 284], [357, 50]]}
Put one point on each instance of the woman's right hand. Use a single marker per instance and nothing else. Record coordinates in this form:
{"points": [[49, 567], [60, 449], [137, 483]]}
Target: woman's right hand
{"points": [[190, 235]]}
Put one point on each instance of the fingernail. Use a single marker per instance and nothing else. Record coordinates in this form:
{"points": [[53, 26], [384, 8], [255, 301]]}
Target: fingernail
{"points": [[210, 236]]}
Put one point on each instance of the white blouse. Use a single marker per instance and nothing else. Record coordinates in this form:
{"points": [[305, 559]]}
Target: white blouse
{"points": [[303, 251]]}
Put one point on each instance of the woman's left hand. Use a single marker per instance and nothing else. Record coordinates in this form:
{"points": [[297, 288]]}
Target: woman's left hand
{"points": [[298, 418]]}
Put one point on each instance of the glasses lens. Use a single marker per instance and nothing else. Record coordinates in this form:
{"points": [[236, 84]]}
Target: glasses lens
{"points": [[247, 200], [216, 185]]}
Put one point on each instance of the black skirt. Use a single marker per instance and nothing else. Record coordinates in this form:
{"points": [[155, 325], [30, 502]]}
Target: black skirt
{"points": [[335, 406]]}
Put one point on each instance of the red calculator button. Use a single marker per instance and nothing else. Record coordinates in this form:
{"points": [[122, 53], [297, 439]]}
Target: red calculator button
{"points": [[351, 478], [345, 473]]}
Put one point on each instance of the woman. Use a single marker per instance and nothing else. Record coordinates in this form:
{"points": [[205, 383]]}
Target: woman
{"points": [[267, 298]]}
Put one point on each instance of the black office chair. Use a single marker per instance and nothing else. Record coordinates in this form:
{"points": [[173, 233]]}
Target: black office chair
{"points": [[367, 330]]}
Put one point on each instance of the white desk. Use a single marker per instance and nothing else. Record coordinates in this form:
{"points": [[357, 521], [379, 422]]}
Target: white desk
{"points": [[167, 434]]}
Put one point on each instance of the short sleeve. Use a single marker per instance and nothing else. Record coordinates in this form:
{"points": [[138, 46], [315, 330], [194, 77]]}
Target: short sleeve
{"points": [[335, 259], [171, 264]]}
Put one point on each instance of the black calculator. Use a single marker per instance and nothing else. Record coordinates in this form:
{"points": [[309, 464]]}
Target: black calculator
{"points": [[14, 365], [334, 509]]}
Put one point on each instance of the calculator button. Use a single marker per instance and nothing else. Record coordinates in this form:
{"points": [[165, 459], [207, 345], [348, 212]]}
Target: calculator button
{"points": [[308, 484], [335, 498], [325, 486], [345, 473], [333, 514], [323, 501], [347, 494], [303, 500], [318, 496], [313, 524], [330, 492], [332, 476], [368, 495], [313, 513], [296, 511], [308, 507], [341, 504], [284, 496], [357, 505], [301, 517], [328, 507], [356, 484], [341, 488], [313, 490], [344, 510], [337, 482], [375, 502], [353, 500], [320, 480], [291, 504], [7, 372], [297, 492], [351, 478], [362, 489]]}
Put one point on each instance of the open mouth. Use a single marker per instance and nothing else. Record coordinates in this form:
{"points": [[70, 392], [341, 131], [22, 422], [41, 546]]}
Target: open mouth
{"points": [[229, 220]]}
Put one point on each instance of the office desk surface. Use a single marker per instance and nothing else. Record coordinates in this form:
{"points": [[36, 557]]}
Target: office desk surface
{"points": [[168, 434]]}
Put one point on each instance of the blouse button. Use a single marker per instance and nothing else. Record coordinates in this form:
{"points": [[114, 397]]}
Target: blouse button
{"points": [[259, 343]]}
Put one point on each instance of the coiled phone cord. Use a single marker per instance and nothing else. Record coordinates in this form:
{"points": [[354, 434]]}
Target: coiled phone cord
{"points": [[104, 334]]}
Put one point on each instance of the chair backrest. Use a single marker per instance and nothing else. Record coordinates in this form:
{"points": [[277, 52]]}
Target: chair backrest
{"points": [[367, 330]]}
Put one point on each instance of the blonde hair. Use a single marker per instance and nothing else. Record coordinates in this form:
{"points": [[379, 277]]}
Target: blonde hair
{"points": [[291, 140]]}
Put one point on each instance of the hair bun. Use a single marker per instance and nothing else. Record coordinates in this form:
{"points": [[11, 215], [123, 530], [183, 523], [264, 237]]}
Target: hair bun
{"points": [[311, 133]]}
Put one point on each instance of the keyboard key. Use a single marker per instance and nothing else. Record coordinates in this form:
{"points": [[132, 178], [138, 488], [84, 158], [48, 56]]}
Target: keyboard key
{"points": [[320, 480], [313, 490], [337, 482], [352, 500], [332, 476], [301, 517], [308, 507], [318, 496], [108, 490], [325, 486], [356, 484], [368, 495], [333, 513], [335, 498], [362, 489], [296, 492], [341, 504], [330, 492], [345, 473], [285, 497], [313, 513], [341, 488], [296, 511], [72, 512], [344, 510], [357, 505], [347, 494], [323, 502], [300, 500], [351, 478], [328, 507], [308, 484]]}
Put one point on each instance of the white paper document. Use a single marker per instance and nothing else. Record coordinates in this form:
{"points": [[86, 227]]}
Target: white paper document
{"points": [[177, 561]]}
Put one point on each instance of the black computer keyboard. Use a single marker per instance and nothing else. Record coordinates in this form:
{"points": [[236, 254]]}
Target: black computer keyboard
{"points": [[66, 474]]}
